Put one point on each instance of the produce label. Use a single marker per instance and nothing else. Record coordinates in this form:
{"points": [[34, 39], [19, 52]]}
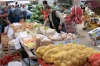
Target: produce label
{"points": [[75, 41], [93, 34], [66, 42]]}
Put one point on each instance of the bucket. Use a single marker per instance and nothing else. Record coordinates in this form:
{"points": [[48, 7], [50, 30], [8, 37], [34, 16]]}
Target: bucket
{"points": [[93, 26]]}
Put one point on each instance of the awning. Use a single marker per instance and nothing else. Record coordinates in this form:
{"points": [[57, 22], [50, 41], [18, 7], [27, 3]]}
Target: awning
{"points": [[20, 2], [24, 2]]}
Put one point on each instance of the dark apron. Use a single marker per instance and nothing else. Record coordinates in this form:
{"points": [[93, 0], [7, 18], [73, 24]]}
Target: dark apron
{"points": [[56, 22]]}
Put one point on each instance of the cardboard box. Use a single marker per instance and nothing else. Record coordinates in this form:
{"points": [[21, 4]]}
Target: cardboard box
{"points": [[94, 33]]}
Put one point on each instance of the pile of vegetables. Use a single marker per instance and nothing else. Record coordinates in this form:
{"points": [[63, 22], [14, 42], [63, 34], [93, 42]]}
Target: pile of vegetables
{"points": [[65, 55], [37, 14], [95, 60]]}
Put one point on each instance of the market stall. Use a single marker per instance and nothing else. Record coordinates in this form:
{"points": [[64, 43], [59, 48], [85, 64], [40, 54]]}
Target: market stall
{"points": [[35, 39], [50, 48], [30, 36]]}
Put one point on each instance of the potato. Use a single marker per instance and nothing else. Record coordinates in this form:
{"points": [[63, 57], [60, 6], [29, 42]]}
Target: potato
{"points": [[69, 63], [57, 62], [62, 64], [73, 60]]}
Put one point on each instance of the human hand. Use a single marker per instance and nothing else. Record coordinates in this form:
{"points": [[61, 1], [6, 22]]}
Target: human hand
{"points": [[59, 27], [5, 15]]}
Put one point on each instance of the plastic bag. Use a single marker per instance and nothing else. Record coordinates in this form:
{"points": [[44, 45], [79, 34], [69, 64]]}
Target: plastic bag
{"points": [[45, 42], [38, 41]]}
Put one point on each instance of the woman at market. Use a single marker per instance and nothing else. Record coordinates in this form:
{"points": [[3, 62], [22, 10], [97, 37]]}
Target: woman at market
{"points": [[55, 18]]}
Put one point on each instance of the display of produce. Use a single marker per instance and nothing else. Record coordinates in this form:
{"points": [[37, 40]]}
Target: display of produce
{"points": [[41, 50], [45, 42], [37, 15], [94, 60], [65, 55], [63, 36], [39, 37], [47, 31]]}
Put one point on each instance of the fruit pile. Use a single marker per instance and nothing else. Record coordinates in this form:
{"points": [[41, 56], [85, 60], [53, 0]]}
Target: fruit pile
{"points": [[5, 60], [38, 15], [30, 43], [95, 60], [65, 55]]}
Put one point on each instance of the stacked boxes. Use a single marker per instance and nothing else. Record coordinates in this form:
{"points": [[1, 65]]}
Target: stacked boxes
{"points": [[95, 36], [5, 46]]}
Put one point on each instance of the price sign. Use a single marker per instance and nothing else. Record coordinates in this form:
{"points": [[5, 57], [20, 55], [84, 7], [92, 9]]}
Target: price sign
{"points": [[74, 42], [61, 43], [93, 34]]}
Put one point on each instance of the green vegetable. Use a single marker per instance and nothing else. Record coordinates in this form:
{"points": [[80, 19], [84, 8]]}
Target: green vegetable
{"points": [[36, 16], [41, 17], [38, 12], [39, 6], [28, 20]]}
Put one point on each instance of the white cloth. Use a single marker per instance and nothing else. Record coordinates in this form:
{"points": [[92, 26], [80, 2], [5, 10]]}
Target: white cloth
{"points": [[10, 33], [6, 29], [15, 63], [17, 43]]}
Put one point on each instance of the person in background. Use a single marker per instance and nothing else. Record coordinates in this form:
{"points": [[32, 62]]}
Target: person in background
{"points": [[45, 3], [22, 20], [10, 16], [17, 13], [12, 8], [56, 6], [62, 9], [23, 11], [55, 18], [5, 19], [87, 9], [1, 22]]}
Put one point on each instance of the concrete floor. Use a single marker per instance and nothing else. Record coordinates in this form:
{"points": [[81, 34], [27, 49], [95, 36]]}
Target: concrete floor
{"points": [[86, 40]]}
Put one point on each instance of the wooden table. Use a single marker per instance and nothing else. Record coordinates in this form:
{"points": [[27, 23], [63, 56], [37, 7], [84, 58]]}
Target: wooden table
{"points": [[29, 52]]}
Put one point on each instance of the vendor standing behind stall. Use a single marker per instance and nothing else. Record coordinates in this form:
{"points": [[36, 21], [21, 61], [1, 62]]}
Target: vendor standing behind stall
{"points": [[55, 18], [5, 19], [1, 22]]}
